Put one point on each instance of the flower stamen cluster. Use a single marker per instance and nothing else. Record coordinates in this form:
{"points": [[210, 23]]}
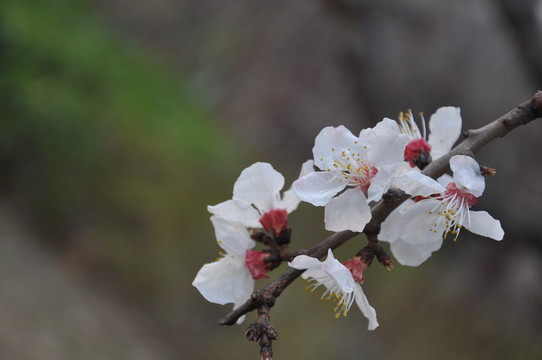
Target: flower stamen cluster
{"points": [[454, 210]]}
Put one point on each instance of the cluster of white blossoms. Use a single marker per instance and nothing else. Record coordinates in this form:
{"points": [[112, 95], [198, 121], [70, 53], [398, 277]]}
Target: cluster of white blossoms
{"points": [[347, 174]]}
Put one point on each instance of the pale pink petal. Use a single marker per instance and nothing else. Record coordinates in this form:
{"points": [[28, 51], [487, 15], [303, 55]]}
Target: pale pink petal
{"points": [[233, 237], [259, 184], [330, 143], [318, 187], [467, 174], [338, 272], [416, 184], [367, 310], [444, 130], [348, 211], [239, 211], [482, 223], [225, 281]]}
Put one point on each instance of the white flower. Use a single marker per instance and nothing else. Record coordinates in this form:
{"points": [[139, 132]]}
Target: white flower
{"points": [[227, 280], [257, 193], [445, 129], [416, 229], [361, 166], [339, 283]]}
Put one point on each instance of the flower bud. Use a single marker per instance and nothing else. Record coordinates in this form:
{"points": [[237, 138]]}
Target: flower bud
{"points": [[260, 236], [272, 333], [385, 260], [366, 255], [266, 353], [487, 171], [254, 332]]}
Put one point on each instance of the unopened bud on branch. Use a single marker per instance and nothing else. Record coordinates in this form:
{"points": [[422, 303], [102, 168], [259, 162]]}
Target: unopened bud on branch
{"points": [[254, 332]]}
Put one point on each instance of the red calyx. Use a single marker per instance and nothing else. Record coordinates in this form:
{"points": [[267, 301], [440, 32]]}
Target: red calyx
{"points": [[254, 261], [274, 221], [417, 153], [452, 189], [356, 267]]}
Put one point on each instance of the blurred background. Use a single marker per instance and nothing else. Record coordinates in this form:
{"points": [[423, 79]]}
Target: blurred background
{"points": [[120, 121]]}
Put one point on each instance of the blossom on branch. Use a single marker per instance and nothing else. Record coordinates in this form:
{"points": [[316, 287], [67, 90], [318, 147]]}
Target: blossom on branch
{"points": [[230, 279], [355, 171], [256, 199], [417, 229], [340, 285], [444, 130]]}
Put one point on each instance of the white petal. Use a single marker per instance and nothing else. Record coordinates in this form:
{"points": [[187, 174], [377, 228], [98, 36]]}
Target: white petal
{"points": [[387, 143], [482, 223], [304, 262], [225, 281], [235, 210], [404, 168], [414, 254], [418, 223], [412, 223], [444, 130], [444, 180], [290, 200], [363, 304], [318, 187], [391, 228], [381, 182], [417, 184], [348, 211], [467, 174], [306, 168], [259, 184], [330, 143], [338, 272], [232, 236]]}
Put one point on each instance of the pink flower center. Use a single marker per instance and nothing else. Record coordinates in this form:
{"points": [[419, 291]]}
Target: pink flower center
{"points": [[468, 198], [275, 220], [453, 211], [362, 177], [255, 264], [413, 150], [357, 268]]}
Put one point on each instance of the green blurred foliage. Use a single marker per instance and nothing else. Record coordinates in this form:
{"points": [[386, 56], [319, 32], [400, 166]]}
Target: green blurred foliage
{"points": [[107, 153]]}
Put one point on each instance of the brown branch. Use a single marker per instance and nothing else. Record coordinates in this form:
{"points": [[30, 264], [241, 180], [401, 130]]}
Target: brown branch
{"points": [[474, 141]]}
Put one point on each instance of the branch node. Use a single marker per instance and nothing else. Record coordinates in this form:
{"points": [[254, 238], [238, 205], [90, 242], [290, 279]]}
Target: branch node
{"points": [[468, 133]]}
